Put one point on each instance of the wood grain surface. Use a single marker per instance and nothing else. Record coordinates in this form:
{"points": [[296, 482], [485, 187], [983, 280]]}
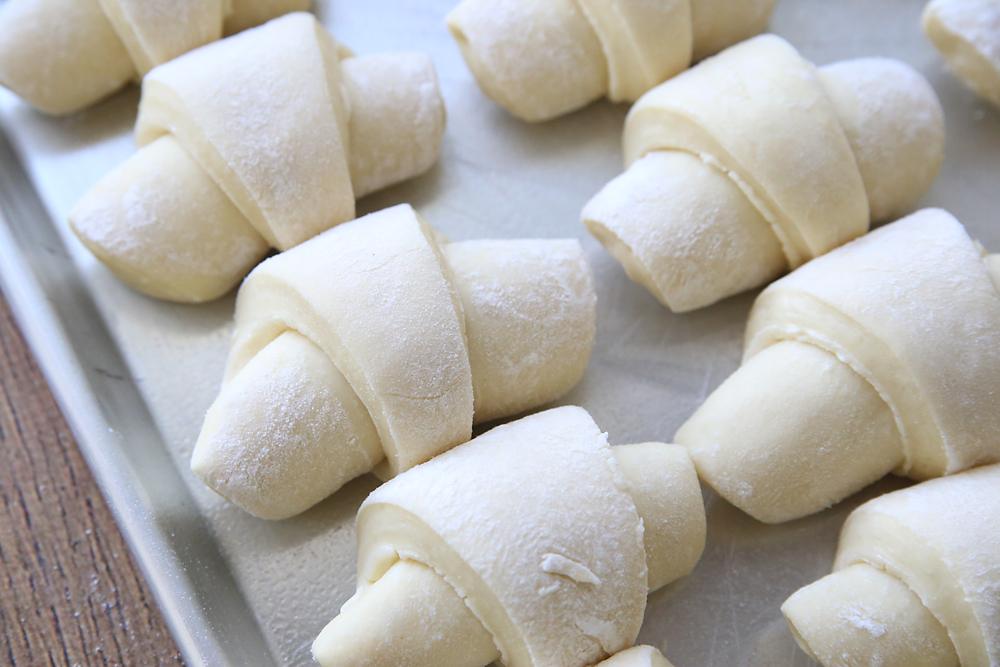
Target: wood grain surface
{"points": [[70, 594]]}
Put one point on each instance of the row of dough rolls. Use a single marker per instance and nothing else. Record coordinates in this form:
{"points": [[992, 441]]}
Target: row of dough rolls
{"points": [[541, 59], [377, 345], [61, 56], [756, 161], [535, 543], [916, 580], [261, 140], [880, 356], [530, 547]]}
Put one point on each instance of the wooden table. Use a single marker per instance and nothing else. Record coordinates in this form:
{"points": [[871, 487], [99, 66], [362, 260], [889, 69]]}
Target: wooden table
{"points": [[71, 592]]}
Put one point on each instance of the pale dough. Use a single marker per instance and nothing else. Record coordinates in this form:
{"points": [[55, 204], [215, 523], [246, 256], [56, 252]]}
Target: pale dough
{"points": [[527, 304], [543, 58], [264, 115], [156, 32], [967, 33], [427, 337], [180, 248], [279, 134], [862, 616], [637, 656], [64, 55], [537, 532], [883, 355], [916, 580], [795, 162]]}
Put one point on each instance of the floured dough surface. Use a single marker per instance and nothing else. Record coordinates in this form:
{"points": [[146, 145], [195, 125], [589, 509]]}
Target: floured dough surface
{"points": [[544, 58], [803, 179], [684, 230], [791, 432], [537, 58], [530, 312], [262, 113], [967, 33], [373, 295], [258, 446], [532, 524], [163, 225], [61, 55], [64, 55], [644, 43], [410, 616], [167, 226], [424, 337], [397, 118], [940, 539], [904, 306], [861, 615], [156, 32], [664, 487], [709, 207], [438, 611], [895, 125]]}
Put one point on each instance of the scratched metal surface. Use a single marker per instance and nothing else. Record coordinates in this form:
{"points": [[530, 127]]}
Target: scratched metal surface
{"points": [[135, 376]]}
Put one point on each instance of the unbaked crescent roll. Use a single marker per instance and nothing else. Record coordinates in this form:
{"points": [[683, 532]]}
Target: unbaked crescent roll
{"points": [[63, 55], [881, 356], [544, 58], [534, 544], [260, 140], [755, 161], [378, 345], [916, 581], [967, 33]]}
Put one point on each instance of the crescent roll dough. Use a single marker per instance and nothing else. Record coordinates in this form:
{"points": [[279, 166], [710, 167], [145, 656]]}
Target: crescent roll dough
{"points": [[755, 161], [916, 581], [883, 355], [61, 56], [260, 140], [544, 58], [534, 544], [378, 344], [967, 33]]}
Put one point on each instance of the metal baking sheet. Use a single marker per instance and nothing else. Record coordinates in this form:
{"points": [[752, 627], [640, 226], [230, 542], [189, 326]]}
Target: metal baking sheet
{"points": [[134, 376]]}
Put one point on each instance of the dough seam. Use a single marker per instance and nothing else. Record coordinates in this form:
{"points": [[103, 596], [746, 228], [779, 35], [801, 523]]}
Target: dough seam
{"points": [[170, 107], [876, 557], [384, 538], [414, 557], [616, 88], [662, 120], [758, 202], [296, 312], [771, 334]]}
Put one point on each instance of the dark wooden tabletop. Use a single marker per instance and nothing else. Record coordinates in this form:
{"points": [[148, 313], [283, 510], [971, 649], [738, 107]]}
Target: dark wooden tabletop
{"points": [[71, 593]]}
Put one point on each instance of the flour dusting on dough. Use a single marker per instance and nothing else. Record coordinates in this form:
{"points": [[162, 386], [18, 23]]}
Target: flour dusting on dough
{"points": [[578, 572]]}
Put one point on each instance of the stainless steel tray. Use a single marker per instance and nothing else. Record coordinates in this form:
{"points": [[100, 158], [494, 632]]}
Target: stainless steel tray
{"points": [[135, 376]]}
